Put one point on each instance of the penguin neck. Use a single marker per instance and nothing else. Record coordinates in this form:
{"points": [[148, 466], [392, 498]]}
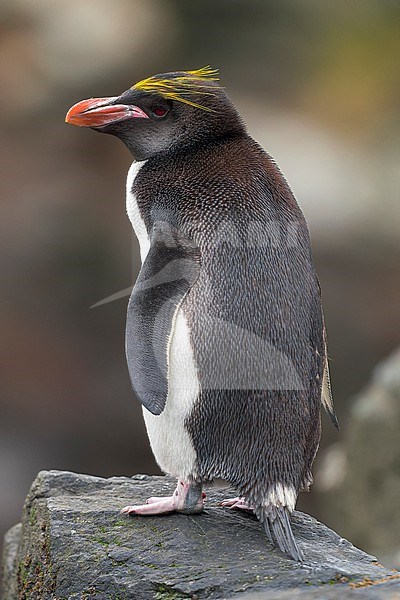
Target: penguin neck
{"points": [[192, 148]]}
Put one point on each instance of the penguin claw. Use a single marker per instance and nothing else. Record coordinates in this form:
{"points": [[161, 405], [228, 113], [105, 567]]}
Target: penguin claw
{"points": [[127, 510], [236, 504]]}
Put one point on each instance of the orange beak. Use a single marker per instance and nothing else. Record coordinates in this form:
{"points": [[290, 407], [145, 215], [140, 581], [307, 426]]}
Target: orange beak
{"points": [[97, 112]]}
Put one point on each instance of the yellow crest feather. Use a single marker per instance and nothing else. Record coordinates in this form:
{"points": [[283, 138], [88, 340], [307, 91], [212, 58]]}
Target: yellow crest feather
{"points": [[174, 88]]}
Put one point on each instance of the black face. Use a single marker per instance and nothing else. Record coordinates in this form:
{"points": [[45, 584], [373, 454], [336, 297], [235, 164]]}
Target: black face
{"points": [[146, 137], [150, 124]]}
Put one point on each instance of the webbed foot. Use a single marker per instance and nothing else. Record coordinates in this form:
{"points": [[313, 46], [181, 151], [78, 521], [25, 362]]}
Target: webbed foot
{"points": [[237, 504], [187, 498]]}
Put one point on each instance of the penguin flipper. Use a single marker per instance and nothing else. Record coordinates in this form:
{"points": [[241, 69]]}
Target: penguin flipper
{"points": [[276, 523], [171, 267]]}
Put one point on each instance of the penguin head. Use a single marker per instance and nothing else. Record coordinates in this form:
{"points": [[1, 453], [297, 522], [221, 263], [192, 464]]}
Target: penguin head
{"points": [[169, 112]]}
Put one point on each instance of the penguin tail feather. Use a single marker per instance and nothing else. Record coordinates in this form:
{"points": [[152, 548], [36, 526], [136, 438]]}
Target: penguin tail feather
{"points": [[276, 523]]}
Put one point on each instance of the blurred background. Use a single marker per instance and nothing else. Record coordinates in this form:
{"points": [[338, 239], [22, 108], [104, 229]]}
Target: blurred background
{"points": [[318, 85]]}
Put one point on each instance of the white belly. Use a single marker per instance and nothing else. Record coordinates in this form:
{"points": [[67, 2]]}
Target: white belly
{"points": [[169, 439]]}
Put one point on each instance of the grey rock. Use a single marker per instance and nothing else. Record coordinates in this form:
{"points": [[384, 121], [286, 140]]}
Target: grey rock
{"points": [[74, 544]]}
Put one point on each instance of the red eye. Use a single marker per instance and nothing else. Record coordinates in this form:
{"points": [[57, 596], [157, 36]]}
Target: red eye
{"points": [[159, 111]]}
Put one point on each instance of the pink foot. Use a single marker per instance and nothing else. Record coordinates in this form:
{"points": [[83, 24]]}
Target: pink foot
{"points": [[237, 504], [187, 498], [155, 499]]}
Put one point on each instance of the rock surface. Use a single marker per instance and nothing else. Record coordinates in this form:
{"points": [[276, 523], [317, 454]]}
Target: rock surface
{"points": [[74, 544]]}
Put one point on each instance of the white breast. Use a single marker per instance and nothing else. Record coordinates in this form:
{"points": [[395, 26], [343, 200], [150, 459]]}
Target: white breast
{"points": [[133, 211], [169, 438]]}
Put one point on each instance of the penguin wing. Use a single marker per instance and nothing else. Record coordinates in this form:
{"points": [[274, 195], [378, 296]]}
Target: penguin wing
{"points": [[171, 267]]}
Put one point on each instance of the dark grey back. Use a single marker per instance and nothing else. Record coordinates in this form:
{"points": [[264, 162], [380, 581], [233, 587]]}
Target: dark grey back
{"points": [[254, 311]]}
